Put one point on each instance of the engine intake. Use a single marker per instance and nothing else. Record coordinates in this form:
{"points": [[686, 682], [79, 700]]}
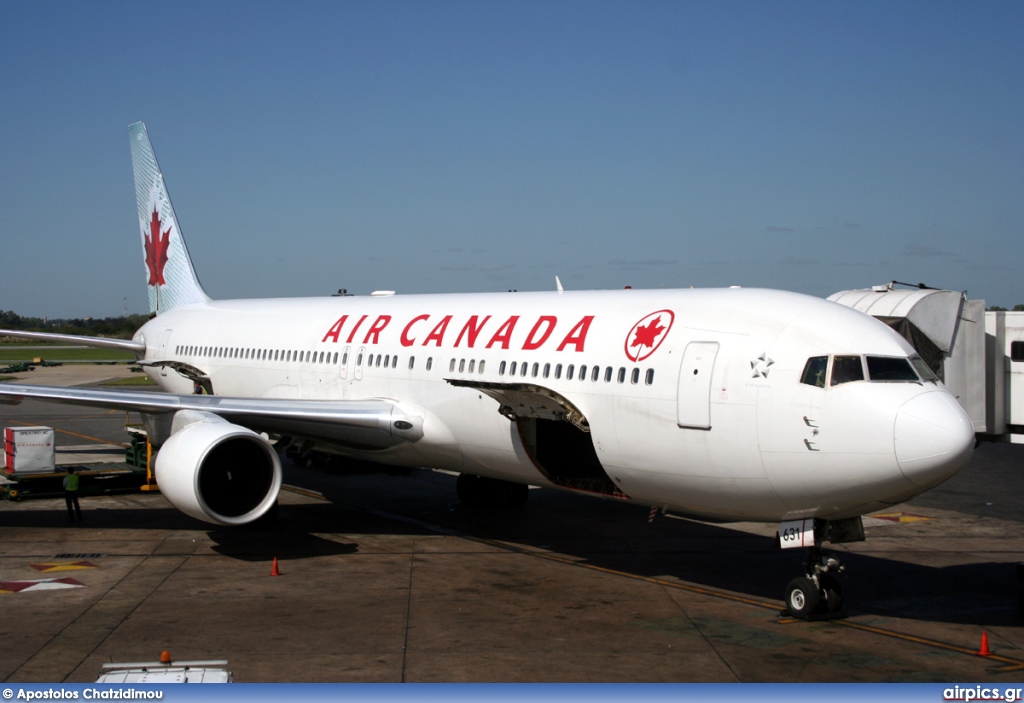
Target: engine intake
{"points": [[218, 472]]}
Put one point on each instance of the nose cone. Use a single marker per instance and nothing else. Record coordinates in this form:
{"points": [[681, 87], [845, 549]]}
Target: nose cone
{"points": [[934, 438]]}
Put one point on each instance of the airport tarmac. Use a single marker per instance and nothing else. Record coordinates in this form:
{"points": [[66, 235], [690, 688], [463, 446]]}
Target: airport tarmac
{"points": [[387, 578]]}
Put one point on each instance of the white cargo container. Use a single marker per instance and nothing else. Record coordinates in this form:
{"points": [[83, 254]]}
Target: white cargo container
{"points": [[28, 450], [167, 671]]}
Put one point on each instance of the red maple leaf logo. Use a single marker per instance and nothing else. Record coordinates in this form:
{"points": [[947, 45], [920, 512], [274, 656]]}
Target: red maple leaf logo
{"points": [[156, 250], [646, 335], [644, 339]]}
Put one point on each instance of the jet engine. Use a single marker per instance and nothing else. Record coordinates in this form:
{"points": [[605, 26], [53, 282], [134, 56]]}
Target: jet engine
{"points": [[217, 471]]}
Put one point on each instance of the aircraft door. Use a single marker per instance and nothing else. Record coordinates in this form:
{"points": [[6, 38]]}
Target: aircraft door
{"points": [[165, 340], [693, 402], [358, 370], [346, 359]]}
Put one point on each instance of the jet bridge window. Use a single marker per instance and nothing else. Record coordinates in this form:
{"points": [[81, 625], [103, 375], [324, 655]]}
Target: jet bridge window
{"points": [[846, 369], [815, 371], [1016, 351], [890, 368]]}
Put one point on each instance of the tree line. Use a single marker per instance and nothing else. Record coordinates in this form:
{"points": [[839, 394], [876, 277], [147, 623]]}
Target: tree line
{"points": [[118, 327]]}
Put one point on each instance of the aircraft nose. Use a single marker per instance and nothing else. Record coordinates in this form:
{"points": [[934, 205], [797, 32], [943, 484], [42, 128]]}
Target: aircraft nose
{"points": [[934, 438]]}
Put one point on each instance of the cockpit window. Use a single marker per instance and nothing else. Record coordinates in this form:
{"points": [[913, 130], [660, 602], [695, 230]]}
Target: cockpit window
{"points": [[814, 371], [846, 369], [890, 368], [923, 370]]}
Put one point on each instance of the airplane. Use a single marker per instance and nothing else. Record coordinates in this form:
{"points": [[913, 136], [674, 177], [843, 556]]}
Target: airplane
{"points": [[730, 404]]}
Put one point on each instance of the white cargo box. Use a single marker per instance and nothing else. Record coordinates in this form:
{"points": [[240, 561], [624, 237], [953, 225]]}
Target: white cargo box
{"points": [[28, 450], [214, 671]]}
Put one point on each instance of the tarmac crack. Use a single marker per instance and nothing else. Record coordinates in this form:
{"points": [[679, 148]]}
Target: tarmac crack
{"points": [[408, 615]]}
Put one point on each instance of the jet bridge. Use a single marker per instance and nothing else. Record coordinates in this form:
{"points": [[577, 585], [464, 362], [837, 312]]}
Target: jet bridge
{"points": [[978, 354]]}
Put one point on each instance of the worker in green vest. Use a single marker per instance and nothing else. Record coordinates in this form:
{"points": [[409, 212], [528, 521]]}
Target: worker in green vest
{"points": [[71, 495]]}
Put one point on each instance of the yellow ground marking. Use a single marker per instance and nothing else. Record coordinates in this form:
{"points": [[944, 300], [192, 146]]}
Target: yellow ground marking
{"points": [[50, 566], [900, 517]]}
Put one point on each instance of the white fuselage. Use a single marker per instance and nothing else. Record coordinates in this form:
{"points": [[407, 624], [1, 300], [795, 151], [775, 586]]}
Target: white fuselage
{"points": [[693, 398]]}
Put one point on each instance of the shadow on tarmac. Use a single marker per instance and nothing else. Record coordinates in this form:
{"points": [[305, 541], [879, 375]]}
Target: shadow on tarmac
{"points": [[601, 533]]}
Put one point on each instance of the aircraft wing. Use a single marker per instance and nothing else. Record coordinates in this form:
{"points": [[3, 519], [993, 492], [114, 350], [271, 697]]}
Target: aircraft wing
{"points": [[371, 424], [127, 345]]}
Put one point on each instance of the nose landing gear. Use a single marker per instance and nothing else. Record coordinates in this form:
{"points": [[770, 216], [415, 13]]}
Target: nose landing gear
{"points": [[818, 594]]}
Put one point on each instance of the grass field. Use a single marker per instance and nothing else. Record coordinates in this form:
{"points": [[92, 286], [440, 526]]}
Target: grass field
{"points": [[54, 352], [137, 380]]}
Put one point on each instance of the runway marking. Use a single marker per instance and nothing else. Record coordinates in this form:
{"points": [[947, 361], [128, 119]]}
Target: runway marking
{"points": [[1015, 663], [51, 566], [303, 492], [899, 517], [40, 585]]}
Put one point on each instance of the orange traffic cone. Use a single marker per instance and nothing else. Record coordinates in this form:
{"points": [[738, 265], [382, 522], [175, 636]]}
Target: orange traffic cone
{"points": [[984, 651], [274, 570]]}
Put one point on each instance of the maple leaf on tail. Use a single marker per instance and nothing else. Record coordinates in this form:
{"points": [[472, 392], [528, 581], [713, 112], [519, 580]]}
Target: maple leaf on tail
{"points": [[156, 251], [646, 335]]}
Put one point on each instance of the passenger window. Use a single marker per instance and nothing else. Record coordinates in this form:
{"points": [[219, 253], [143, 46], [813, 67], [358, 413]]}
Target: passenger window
{"points": [[536, 369], [608, 374], [430, 363], [568, 372], [359, 359], [412, 362], [846, 369], [482, 366], [558, 371], [512, 369], [622, 374], [472, 365], [583, 372], [523, 368], [451, 366], [649, 378], [814, 371], [634, 377], [501, 369], [462, 365], [595, 374], [547, 370], [890, 368]]}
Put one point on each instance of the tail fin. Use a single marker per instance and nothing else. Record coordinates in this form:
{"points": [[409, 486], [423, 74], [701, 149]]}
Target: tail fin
{"points": [[171, 278]]}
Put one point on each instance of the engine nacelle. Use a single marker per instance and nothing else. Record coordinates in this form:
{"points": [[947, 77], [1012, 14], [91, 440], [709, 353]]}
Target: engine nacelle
{"points": [[216, 471]]}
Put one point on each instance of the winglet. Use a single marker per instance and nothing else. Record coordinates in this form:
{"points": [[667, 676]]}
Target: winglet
{"points": [[171, 277]]}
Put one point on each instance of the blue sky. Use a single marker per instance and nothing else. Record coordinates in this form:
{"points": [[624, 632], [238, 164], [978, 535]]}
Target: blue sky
{"points": [[479, 146]]}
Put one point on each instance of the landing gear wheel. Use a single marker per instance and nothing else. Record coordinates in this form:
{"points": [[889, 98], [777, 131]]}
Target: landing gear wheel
{"points": [[802, 597]]}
